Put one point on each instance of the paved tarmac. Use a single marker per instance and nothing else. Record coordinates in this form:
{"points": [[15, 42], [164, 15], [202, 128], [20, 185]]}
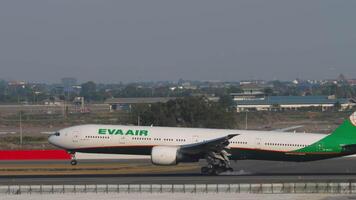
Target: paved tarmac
{"points": [[333, 170]]}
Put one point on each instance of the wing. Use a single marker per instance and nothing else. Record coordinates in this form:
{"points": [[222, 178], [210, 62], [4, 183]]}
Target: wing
{"points": [[214, 145]]}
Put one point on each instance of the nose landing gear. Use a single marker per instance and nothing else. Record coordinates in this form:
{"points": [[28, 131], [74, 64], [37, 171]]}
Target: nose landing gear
{"points": [[73, 159], [73, 162]]}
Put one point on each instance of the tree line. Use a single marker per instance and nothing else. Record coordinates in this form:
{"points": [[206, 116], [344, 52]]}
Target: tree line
{"points": [[93, 92], [185, 112]]}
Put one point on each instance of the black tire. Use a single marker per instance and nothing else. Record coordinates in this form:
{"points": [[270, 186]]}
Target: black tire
{"points": [[73, 162], [212, 172], [204, 171]]}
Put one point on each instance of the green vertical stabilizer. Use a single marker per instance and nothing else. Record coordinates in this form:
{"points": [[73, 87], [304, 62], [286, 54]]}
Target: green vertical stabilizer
{"points": [[344, 135]]}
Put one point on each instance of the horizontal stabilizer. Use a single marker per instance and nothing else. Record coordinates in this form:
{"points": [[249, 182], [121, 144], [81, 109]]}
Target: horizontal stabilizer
{"points": [[350, 148], [48, 133], [289, 128]]}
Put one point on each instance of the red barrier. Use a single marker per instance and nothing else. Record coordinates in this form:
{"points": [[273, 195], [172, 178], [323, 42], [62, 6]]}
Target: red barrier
{"points": [[34, 155]]}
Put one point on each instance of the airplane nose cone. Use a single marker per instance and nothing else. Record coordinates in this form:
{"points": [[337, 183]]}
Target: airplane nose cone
{"points": [[51, 139], [54, 139]]}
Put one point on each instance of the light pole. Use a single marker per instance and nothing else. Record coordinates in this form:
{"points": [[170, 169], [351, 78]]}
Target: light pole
{"points": [[246, 120], [64, 105], [21, 141]]}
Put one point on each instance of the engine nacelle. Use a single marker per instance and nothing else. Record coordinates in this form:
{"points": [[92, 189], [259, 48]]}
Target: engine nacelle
{"points": [[164, 155]]}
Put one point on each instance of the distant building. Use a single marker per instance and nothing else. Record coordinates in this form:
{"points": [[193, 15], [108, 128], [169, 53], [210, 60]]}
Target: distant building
{"points": [[189, 86], [126, 103], [17, 84], [275, 103], [252, 82], [341, 78], [351, 82], [296, 81], [249, 92], [247, 96]]}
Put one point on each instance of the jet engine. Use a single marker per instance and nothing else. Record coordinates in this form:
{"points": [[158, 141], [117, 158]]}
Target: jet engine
{"points": [[169, 155]]}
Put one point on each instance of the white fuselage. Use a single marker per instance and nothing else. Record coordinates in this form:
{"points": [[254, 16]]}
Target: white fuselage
{"points": [[87, 136]]}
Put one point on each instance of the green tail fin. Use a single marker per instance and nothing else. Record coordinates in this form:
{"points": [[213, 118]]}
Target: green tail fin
{"points": [[348, 128], [342, 136]]}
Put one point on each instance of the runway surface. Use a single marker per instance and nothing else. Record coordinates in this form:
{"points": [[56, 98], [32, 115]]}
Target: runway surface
{"points": [[333, 170]]}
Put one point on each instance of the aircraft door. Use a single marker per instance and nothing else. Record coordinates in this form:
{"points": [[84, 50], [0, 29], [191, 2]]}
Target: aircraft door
{"points": [[75, 137], [122, 139], [195, 138], [258, 143]]}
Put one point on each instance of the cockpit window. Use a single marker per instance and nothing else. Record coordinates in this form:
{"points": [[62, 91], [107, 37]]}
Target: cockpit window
{"points": [[57, 134]]}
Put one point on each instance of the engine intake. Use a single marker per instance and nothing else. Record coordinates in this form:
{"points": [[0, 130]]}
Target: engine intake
{"points": [[169, 155], [164, 155]]}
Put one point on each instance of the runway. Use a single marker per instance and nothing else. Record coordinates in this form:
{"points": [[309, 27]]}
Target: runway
{"points": [[333, 170], [176, 179]]}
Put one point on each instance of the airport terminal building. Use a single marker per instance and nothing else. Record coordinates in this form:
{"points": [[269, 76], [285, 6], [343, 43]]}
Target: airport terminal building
{"points": [[278, 103], [126, 103]]}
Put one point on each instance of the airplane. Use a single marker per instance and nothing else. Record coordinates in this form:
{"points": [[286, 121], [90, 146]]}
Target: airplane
{"points": [[172, 145]]}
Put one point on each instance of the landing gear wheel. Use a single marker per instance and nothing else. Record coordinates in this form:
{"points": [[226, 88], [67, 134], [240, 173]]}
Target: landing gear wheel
{"points": [[217, 164], [73, 162], [208, 171], [204, 171], [212, 172]]}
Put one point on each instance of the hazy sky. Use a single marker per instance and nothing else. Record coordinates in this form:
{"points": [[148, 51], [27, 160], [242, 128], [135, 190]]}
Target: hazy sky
{"points": [[129, 40]]}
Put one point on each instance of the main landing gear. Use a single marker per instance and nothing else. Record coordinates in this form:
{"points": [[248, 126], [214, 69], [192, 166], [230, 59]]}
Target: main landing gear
{"points": [[73, 159], [217, 163]]}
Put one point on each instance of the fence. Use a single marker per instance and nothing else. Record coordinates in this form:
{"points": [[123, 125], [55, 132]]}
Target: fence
{"points": [[273, 188]]}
